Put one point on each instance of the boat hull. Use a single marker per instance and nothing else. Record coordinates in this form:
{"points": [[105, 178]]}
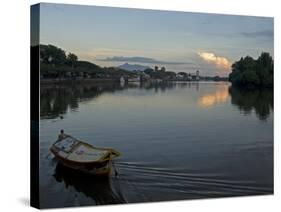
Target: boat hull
{"points": [[83, 157], [97, 169]]}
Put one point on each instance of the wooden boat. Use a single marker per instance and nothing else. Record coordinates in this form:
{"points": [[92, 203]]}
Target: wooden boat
{"points": [[83, 157]]}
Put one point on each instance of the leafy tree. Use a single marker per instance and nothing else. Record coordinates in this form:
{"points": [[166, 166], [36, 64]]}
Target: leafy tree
{"points": [[183, 74], [265, 69], [148, 71], [253, 73], [50, 54], [170, 74], [72, 59]]}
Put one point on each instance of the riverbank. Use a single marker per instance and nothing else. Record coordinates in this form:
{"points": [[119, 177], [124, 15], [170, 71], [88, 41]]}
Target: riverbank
{"points": [[110, 80]]}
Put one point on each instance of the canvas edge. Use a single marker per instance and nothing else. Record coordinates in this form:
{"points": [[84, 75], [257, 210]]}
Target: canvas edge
{"points": [[34, 104]]}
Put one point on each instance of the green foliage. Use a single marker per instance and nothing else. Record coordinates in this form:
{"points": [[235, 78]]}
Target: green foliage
{"points": [[171, 74], [253, 73], [50, 54], [160, 74], [148, 71], [72, 59]]}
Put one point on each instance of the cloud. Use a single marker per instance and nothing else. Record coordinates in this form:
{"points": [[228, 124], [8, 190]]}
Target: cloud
{"points": [[263, 33], [141, 60], [221, 63]]}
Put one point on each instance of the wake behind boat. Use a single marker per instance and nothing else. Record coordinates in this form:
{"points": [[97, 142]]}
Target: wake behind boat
{"points": [[83, 157]]}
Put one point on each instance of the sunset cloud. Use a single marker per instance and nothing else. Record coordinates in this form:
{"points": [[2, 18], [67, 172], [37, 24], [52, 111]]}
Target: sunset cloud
{"points": [[221, 63]]}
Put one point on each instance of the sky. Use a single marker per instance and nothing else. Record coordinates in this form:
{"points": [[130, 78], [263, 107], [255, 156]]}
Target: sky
{"points": [[179, 41]]}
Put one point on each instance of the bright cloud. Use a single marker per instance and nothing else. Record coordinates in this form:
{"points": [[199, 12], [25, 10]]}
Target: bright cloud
{"points": [[221, 63]]}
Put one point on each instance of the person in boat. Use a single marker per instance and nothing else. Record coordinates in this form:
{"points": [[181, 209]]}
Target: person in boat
{"points": [[62, 135]]}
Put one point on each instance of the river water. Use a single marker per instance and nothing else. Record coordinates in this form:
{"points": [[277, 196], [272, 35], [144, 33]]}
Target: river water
{"points": [[177, 141]]}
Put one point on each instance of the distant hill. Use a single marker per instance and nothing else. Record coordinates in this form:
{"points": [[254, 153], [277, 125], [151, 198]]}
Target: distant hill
{"points": [[133, 67]]}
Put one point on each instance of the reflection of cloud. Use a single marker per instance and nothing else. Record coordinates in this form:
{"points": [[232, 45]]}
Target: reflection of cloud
{"points": [[140, 60], [221, 62], [217, 97]]}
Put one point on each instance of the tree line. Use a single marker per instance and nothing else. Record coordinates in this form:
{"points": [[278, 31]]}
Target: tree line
{"points": [[248, 72], [55, 63]]}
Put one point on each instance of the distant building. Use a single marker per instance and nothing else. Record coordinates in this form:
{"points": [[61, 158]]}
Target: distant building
{"points": [[122, 80], [156, 68], [197, 75]]}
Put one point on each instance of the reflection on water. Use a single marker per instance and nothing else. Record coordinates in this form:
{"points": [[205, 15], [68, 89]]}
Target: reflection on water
{"points": [[98, 189], [177, 141], [219, 96], [56, 100], [259, 100]]}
